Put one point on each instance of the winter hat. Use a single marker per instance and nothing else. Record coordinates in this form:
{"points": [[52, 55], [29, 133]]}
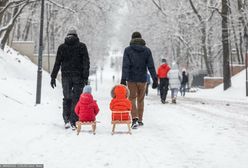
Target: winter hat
{"points": [[136, 35], [72, 31], [164, 60], [87, 89]]}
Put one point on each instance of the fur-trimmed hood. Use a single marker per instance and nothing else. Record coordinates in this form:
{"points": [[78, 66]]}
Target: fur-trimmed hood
{"points": [[120, 91]]}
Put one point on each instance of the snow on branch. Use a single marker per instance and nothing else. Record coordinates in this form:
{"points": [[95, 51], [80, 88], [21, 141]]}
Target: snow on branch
{"points": [[12, 3], [14, 18], [62, 6], [159, 7]]}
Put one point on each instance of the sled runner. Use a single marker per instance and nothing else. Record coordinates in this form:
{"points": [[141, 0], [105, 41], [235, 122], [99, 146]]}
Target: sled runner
{"points": [[80, 123], [121, 117]]}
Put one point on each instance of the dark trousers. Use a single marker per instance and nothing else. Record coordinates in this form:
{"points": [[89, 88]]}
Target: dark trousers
{"points": [[183, 89], [164, 84], [72, 88]]}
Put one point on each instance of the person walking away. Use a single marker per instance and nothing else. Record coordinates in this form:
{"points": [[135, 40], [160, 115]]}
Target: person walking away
{"points": [[148, 82], [184, 82], [86, 108], [137, 59], [174, 82], [163, 80], [72, 57]]}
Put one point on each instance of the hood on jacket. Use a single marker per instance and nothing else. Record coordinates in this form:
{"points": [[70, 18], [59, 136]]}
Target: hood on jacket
{"points": [[120, 92], [138, 44], [71, 40], [174, 66], [86, 98]]}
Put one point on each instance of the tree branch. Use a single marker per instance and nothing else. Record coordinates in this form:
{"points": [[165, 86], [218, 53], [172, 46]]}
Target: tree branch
{"points": [[159, 7], [62, 6]]}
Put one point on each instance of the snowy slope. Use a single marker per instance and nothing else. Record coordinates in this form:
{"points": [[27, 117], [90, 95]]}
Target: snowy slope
{"points": [[235, 93], [198, 132]]}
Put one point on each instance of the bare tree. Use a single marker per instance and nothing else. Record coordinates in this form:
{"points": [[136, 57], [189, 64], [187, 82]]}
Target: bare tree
{"points": [[225, 43]]}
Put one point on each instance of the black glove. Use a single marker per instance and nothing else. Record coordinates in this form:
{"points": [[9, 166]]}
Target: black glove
{"points": [[124, 82], [155, 84], [53, 82], [85, 82]]}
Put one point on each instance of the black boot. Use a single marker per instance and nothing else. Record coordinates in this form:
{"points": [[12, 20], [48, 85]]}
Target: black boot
{"points": [[135, 123]]}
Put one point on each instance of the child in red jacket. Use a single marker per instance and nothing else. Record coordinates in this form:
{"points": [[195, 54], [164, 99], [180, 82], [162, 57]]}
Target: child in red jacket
{"points": [[86, 108], [120, 102]]}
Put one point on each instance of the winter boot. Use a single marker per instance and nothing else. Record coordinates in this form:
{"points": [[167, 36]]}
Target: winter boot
{"points": [[67, 125], [140, 123], [135, 123], [73, 127]]}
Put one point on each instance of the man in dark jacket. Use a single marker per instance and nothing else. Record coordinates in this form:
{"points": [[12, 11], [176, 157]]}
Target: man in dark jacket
{"points": [[136, 60], [72, 57]]}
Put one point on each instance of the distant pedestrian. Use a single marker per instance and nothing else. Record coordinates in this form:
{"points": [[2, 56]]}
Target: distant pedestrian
{"points": [[73, 59], [174, 81], [137, 59], [163, 80], [184, 82], [148, 82]]}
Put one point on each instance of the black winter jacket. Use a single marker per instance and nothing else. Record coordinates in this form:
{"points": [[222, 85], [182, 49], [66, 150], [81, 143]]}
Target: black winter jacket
{"points": [[137, 58], [72, 57], [184, 79]]}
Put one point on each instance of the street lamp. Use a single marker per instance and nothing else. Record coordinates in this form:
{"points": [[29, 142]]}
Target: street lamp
{"points": [[246, 60], [39, 72]]}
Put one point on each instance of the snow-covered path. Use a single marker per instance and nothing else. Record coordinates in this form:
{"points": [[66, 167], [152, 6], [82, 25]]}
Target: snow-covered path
{"points": [[198, 132]]}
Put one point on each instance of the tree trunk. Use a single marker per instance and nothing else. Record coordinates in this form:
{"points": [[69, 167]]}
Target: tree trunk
{"points": [[7, 32], [203, 40], [235, 39], [29, 23], [225, 44], [241, 22], [2, 5]]}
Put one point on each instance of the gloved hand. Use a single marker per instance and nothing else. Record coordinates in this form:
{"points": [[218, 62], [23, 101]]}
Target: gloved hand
{"points": [[124, 82], [155, 84], [85, 82], [53, 83]]}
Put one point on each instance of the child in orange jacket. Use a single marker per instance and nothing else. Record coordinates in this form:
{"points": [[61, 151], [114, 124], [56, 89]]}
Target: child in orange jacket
{"points": [[120, 102]]}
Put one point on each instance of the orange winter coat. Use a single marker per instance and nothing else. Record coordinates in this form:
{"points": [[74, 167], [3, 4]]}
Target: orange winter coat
{"points": [[163, 71], [120, 102]]}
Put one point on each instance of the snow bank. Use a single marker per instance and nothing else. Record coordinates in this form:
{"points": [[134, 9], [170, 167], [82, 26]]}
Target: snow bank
{"points": [[237, 92]]}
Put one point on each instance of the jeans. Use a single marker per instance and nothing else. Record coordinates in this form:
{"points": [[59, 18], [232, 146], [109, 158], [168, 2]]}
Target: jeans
{"points": [[174, 92], [183, 89]]}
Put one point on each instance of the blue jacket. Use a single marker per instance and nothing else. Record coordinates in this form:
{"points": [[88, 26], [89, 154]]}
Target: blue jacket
{"points": [[137, 59]]}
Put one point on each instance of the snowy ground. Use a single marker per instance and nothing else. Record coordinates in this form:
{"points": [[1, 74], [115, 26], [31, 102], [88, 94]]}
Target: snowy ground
{"points": [[207, 129]]}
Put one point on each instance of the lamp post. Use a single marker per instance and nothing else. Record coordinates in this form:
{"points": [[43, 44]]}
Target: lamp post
{"points": [[246, 60], [39, 72]]}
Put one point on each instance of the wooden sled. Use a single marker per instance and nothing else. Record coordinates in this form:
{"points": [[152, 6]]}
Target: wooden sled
{"points": [[80, 123], [120, 121]]}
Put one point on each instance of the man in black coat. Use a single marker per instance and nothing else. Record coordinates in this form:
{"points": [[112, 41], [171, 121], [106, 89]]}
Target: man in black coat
{"points": [[136, 60], [73, 59]]}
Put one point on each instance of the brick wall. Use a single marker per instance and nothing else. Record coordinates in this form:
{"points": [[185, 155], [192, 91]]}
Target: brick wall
{"points": [[211, 82], [235, 69]]}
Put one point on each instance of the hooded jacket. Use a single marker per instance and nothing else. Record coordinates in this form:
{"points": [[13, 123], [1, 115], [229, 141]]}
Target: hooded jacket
{"points": [[120, 102], [137, 59], [73, 59], [86, 108], [174, 77]]}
